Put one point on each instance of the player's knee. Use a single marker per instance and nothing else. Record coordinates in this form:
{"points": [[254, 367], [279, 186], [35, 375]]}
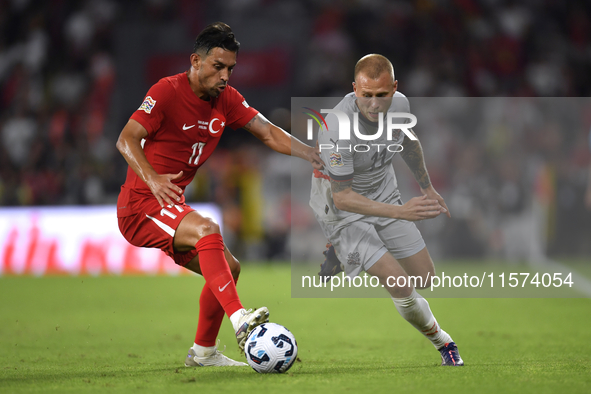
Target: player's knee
{"points": [[426, 281], [400, 292], [207, 227]]}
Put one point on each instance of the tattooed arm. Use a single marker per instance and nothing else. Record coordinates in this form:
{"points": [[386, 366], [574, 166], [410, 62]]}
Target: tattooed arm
{"points": [[412, 153], [346, 199], [281, 141]]}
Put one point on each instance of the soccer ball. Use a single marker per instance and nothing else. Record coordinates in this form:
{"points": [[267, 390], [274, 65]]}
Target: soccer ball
{"points": [[271, 348]]}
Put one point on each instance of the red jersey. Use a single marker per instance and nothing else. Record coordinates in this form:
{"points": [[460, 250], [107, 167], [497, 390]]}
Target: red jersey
{"points": [[183, 131]]}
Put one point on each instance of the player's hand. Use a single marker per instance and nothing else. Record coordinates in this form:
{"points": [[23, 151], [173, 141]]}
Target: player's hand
{"points": [[314, 158], [419, 208], [166, 192], [432, 194]]}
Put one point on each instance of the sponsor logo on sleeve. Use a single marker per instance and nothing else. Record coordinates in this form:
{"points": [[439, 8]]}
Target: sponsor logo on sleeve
{"points": [[336, 160], [147, 105], [245, 104]]}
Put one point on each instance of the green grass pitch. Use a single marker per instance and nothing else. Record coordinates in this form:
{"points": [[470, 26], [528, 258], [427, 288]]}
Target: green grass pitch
{"points": [[131, 334]]}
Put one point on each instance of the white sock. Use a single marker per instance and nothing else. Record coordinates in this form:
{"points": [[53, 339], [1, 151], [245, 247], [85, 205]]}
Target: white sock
{"points": [[415, 310], [202, 351], [235, 318]]}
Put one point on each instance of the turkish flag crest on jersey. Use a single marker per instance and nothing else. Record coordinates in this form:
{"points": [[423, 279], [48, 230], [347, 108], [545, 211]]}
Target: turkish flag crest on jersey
{"points": [[217, 122]]}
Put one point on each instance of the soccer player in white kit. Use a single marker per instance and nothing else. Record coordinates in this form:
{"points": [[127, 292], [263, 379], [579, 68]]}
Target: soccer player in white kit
{"points": [[356, 201]]}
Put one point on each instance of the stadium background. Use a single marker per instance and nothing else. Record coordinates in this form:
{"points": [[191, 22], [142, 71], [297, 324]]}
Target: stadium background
{"points": [[72, 72]]}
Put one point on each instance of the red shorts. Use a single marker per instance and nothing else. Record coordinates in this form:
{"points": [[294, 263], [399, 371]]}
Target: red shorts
{"points": [[154, 227]]}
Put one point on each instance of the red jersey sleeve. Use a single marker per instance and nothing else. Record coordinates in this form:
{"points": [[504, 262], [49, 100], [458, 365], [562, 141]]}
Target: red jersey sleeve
{"points": [[151, 113], [238, 112]]}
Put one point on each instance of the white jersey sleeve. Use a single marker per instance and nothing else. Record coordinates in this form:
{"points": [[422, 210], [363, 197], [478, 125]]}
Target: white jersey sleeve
{"points": [[336, 154]]}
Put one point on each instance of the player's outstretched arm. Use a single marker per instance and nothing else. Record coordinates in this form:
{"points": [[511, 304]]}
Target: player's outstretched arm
{"points": [[417, 208], [412, 153], [281, 141], [130, 146]]}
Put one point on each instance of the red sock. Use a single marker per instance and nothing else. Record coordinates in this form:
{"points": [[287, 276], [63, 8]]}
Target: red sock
{"points": [[216, 272], [211, 315]]}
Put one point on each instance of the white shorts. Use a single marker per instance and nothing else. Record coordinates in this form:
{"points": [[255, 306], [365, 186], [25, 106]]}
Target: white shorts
{"points": [[360, 244]]}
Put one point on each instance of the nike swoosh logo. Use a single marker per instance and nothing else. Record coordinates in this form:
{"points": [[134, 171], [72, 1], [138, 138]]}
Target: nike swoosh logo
{"points": [[223, 288], [187, 128]]}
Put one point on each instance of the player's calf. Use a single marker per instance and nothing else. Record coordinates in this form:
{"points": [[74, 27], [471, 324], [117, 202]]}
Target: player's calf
{"points": [[234, 264]]}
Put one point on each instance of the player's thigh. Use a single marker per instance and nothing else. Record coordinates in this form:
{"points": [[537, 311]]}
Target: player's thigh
{"points": [[154, 226], [419, 265], [192, 228], [233, 263], [392, 276], [405, 242]]}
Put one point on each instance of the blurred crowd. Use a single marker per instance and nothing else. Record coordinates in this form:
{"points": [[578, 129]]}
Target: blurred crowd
{"points": [[514, 172], [56, 77], [67, 88], [457, 47]]}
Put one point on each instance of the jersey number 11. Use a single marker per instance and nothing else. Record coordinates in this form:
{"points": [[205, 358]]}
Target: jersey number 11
{"points": [[198, 146]]}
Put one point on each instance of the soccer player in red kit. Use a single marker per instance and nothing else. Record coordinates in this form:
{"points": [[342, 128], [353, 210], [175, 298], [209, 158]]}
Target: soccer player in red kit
{"points": [[174, 131]]}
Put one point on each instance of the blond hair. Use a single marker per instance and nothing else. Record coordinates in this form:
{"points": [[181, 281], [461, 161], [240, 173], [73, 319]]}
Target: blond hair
{"points": [[374, 65]]}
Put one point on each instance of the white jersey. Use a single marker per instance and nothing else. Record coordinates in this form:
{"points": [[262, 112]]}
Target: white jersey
{"points": [[367, 163]]}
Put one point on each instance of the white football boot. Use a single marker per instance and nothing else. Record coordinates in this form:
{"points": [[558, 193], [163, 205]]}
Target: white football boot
{"points": [[213, 358], [248, 322]]}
